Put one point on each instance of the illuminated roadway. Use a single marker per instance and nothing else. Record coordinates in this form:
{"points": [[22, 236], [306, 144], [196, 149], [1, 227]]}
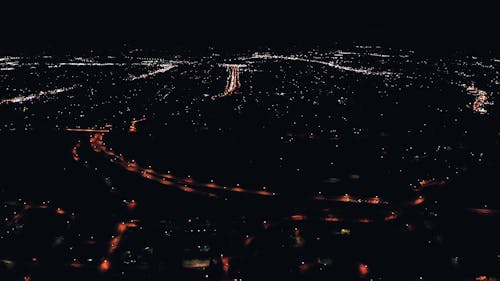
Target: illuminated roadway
{"points": [[214, 190]]}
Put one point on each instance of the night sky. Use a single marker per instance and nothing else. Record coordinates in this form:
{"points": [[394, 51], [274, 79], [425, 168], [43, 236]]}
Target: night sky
{"points": [[38, 24]]}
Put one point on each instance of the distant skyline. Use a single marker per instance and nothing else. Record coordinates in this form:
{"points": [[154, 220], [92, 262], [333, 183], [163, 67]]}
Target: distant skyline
{"points": [[37, 24]]}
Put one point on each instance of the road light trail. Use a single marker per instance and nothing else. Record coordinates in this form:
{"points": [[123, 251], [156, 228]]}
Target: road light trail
{"points": [[41, 94], [192, 186], [101, 131], [163, 68], [121, 228], [351, 199], [184, 184], [233, 82], [332, 218], [97, 145], [189, 185], [133, 128], [74, 152], [424, 184], [484, 211], [29, 207], [364, 71], [481, 99]]}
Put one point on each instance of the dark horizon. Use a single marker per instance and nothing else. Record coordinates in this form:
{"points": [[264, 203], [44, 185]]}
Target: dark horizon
{"points": [[440, 27]]}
